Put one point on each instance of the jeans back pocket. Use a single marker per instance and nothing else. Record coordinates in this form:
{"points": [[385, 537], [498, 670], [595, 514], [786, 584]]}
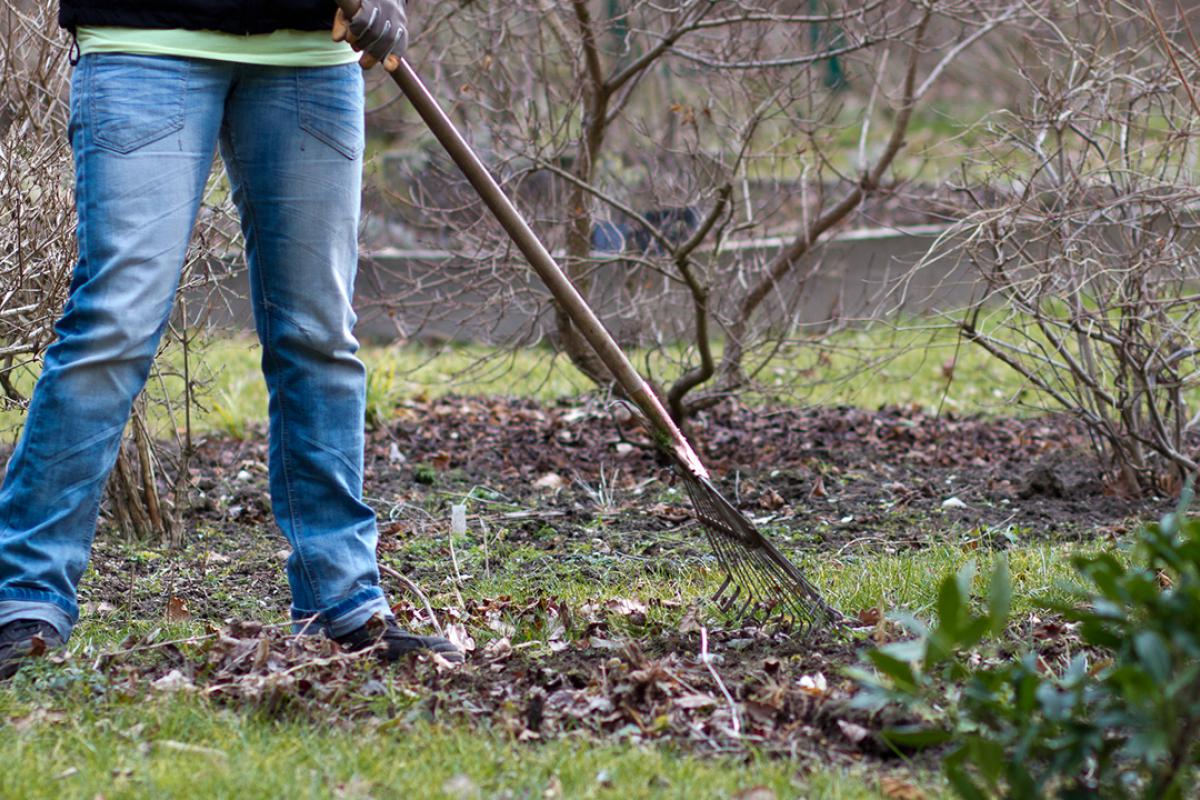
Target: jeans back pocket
{"points": [[134, 100], [331, 106]]}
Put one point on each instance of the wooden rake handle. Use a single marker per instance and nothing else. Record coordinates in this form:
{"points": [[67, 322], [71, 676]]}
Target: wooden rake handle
{"points": [[539, 258]]}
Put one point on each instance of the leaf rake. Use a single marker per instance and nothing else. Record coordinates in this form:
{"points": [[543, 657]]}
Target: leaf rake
{"points": [[760, 583]]}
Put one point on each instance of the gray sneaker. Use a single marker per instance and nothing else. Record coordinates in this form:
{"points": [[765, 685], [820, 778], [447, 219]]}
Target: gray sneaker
{"points": [[22, 639]]}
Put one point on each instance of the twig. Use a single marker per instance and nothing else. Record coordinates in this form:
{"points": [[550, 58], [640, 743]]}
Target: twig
{"points": [[412, 587], [704, 656], [189, 640], [487, 562], [129, 597], [1170, 51]]}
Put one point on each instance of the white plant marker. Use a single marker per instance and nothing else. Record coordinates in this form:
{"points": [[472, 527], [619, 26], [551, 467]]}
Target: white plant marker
{"points": [[458, 519]]}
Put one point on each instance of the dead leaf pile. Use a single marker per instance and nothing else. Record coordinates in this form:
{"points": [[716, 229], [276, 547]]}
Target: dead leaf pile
{"points": [[247, 665], [540, 671]]}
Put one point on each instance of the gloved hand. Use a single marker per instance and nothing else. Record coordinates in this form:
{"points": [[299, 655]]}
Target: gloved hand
{"points": [[379, 29]]}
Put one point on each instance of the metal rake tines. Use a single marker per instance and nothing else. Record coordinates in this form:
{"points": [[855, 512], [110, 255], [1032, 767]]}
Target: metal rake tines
{"points": [[760, 583], [711, 510]]}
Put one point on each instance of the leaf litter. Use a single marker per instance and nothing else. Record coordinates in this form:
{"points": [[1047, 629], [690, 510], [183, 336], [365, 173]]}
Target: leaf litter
{"points": [[582, 676], [572, 672]]}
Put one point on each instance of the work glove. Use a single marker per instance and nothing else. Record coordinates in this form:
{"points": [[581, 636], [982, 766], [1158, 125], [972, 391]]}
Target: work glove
{"points": [[379, 30]]}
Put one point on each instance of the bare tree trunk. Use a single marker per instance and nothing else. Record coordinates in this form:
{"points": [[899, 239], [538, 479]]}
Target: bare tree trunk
{"points": [[125, 500], [137, 505]]}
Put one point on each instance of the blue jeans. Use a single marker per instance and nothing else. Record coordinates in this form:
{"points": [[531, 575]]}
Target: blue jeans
{"points": [[144, 130]]}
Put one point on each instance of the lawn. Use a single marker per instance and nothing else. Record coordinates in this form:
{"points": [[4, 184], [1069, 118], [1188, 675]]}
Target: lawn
{"points": [[907, 364], [79, 732], [579, 582]]}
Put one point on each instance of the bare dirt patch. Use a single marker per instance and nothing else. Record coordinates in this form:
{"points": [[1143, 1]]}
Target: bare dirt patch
{"points": [[807, 468]]}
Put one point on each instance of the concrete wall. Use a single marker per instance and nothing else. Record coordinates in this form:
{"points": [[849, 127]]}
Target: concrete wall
{"points": [[446, 297]]}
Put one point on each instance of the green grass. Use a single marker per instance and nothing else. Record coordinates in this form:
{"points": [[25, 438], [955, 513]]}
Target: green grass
{"points": [[76, 737], [851, 577], [190, 748], [866, 368], [909, 580]]}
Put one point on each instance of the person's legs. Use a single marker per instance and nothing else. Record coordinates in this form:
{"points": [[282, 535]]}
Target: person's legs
{"points": [[144, 132], [292, 143]]}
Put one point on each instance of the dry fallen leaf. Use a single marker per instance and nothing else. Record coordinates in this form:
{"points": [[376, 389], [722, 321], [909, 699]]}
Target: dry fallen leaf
{"points": [[818, 488], [498, 649], [173, 681], [815, 685], [870, 616], [695, 700], [262, 653], [897, 789], [690, 623], [456, 632], [626, 607], [770, 500], [38, 717], [177, 610], [673, 514]]}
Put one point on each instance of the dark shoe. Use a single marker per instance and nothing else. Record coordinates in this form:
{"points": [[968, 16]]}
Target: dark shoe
{"points": [[395, 643], [22, 639]]}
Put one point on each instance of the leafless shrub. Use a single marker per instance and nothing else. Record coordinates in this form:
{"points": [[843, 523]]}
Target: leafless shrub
{"points": [[1086, 239], [38, 251], [37, 221], [651, 142]]}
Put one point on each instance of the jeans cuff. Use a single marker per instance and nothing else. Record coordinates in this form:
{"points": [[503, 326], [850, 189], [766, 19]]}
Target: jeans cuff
{"points": [[13, 610], [340, 619]]}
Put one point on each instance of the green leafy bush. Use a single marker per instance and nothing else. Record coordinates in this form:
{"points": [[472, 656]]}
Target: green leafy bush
{"points": [[1120, 720]]}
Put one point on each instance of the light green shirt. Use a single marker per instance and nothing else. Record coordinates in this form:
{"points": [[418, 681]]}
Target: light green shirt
{"points": [[283, 48]]}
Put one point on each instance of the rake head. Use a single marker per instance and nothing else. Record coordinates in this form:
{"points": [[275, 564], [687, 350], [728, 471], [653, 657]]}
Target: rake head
{"points": [[760, 583]]}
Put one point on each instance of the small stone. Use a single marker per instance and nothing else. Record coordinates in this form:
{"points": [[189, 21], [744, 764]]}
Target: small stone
{"points": [[460, 787], [173, 681], [551, 481]]}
